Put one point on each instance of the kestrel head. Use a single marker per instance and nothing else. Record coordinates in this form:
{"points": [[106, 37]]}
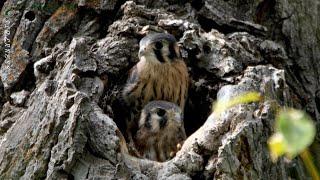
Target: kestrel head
{"points": [[160, 130], [160, 116], [159, 48]]}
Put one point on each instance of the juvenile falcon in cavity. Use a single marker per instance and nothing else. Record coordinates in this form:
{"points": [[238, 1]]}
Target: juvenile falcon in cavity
{"points": [[160, 74], [160, 132]]}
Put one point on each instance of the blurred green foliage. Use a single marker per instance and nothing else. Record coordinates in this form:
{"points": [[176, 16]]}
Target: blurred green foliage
{"points": [[294, 130], [248, 97]]}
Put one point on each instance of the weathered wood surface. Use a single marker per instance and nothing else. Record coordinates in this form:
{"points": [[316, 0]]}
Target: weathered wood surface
{"points": [[66, 63]]}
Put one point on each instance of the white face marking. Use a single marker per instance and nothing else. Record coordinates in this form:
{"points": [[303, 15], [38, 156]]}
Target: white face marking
{"points": [[142, 119], [147, 53], [155, 122], [177, 117], [150, 57]]}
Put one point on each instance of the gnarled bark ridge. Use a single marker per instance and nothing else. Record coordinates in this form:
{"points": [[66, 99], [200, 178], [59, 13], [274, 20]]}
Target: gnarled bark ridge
{"points": [[63, 65]]}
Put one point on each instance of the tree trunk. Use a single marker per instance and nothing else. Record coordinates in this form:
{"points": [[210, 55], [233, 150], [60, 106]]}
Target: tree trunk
{"points": [[64, 64]]}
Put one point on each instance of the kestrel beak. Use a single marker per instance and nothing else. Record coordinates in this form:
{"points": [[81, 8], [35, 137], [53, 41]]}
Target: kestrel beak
{"points": [[178, 117], [142, 51]]}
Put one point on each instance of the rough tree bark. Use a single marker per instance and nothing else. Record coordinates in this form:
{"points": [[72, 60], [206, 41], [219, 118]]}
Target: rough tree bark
{"points": [[63, 65]]}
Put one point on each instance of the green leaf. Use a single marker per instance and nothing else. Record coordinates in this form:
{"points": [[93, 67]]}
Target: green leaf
{"points": [[244, 98], [277, 146], [296, 130]]}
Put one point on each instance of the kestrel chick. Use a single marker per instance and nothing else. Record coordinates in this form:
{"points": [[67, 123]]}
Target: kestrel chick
{"points": [[161, 73], [161, 129]]}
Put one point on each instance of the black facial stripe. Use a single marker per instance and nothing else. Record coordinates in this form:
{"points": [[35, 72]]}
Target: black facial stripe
{"points": [[159, 55], [172, 52], [163, 121], [147, 122]]}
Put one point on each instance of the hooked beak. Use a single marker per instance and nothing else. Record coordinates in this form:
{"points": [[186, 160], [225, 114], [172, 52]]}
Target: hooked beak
{"points": [[178, 117], [141, 51]]}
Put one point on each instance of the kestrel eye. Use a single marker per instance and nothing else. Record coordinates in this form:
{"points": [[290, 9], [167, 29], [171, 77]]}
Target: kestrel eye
{"points": [[161, 112], [158, 45]]}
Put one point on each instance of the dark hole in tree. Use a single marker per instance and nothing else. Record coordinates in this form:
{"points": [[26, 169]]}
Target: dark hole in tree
{"points": [[199, 102], [28, 80], [209, 24], [206, 48], [1, 4], [30, 15], [197, 109], [198, 106], [264, 10], [197, 4]]}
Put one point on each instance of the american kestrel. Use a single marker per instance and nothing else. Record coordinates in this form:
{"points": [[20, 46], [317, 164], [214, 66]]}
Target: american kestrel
{"points": [[160, 132], [160, 74]]}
